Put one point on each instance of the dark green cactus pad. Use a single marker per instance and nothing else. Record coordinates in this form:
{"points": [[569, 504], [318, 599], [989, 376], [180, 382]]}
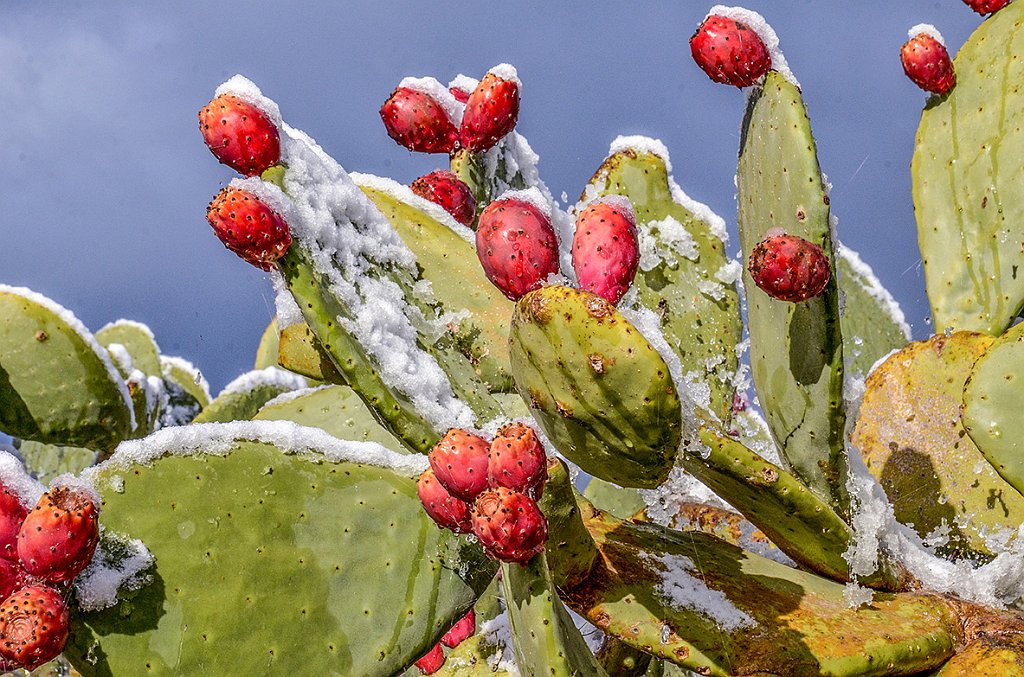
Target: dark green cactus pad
{"points": [[269, 347], [601, 393], [46, 461], [55, 387], [913, 441], [992, 406], [702, 326], [242, 402], [872, 322], [546, 640], [138, 340], [270, 563], [457, 281], [796, 349], [968, 195], [336, 410], [716, 609]]}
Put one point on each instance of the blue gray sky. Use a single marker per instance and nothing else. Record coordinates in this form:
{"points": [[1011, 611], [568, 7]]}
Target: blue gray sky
{"points": [[104, 178]]}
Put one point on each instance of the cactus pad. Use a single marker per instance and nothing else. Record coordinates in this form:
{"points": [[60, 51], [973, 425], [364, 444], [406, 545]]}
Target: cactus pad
{"points": [[600, 391], [138, 340], [269, 347], [242, 398]]}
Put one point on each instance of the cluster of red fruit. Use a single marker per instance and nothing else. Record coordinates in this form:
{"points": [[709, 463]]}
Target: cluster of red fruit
{"points": [[432, 661], [41, 553]]}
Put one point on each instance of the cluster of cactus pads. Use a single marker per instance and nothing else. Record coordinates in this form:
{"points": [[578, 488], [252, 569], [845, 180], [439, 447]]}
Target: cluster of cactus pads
{"points": [[395, 487]]}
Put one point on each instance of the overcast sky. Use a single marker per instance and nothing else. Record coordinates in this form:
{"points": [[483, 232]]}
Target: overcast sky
{"points": [[104, 178]]}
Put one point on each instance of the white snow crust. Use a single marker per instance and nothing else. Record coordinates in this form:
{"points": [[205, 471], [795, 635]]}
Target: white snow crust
{"points": [[76, 325], [682, 590], [871, 284], [532, 196], [439, 93], [98, 586], [270, 376], [927, 29], [641, 144], [285, 307], [463, 82], [507, 72], [403, 193], [20, 483], [247, 91], [759, 25]]}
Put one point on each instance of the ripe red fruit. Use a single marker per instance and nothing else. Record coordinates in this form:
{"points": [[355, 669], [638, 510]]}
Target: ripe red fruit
{"points": [[446, 510], [416, 120], [461, 631], [517, 461], [926, 62], [12, 577], [241, 135], [34, 625], [730, 52], [459, 460], [461, 95], [12, 514], [605, 248], [432, 661], [59, 536], [249, 227], [516, 245], [789, 268], [491, 110], [509, 525], [986, 6], [442, 187]]}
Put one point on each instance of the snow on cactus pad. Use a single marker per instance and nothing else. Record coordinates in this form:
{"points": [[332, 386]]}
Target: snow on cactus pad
{"points": [[279, 550]]}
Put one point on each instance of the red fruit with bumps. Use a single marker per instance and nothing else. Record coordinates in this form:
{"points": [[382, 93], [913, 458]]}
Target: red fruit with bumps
{"points": [[59, 536], [517, 461], [986, 6], [12, 577], [516, 245], [12, 514], [443, 188], [34, 625], [730, 52], [789, 268], [605, 248], [509, 525], [432, 661], [416, 120], [926, 62], [461, 95], [461, 631], [241, 135], [459, 460], [446, 510], [491, 112], [249, 227]]}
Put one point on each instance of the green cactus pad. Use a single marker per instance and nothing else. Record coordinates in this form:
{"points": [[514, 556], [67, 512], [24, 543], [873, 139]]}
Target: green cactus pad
{"points": [[992, 406], [621, 502], [912, 438], [274, 563], [716, 609], [602, 394], [138, 340], [269, 347], [796, 349], [299, 350], [46, 461], [185, 374], [873, 324], [449, 262], [545, 638], [968, 196], [699, 312], [336, 410], [57, 384], [242, 398], [570, 548]]}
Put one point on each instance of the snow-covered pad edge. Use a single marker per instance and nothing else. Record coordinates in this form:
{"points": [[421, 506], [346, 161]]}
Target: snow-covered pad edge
{"points": [[246, 90], [220, 439], [76, 325], [134, 324], [926, 29], [759, 25], [16, 479], [169, 361], [439, 93], [874, 288], [269, 376], [98, 586], [404, 194]]}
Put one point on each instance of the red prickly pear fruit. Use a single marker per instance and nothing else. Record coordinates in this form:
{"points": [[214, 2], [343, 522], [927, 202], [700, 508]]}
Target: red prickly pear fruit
{"points": [[461, 631], [249, 227], [730, 52], [986, 6], [59, 536], [517, 461], [509, 525], [461, 95], [12, 577], [442, 187], [926, 62], [459, 460], [12, 514], [446, 510], [432, 661], [419, 122], [516, 245], [491, 110], [789, 268], [240, 135], [605, 248], [34, 626]]}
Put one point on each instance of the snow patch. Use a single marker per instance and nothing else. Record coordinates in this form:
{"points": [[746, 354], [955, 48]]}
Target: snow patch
{"points": [[464, 83], [926, 29], [15, 479], [506, 72], [274, 377], [680, 589], [120, 564], [285, 307], [641, 144]]}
